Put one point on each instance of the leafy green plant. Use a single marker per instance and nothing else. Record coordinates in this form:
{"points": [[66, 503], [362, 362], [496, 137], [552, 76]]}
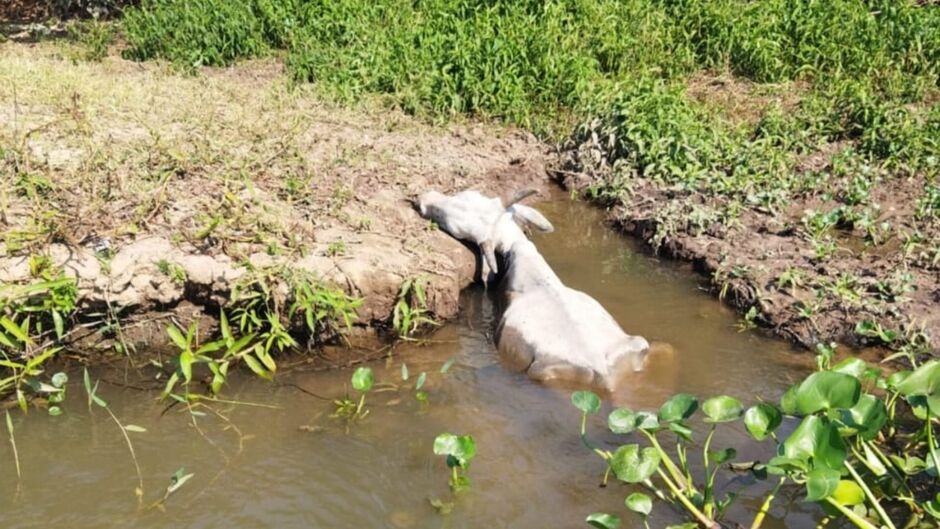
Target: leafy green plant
{"points": [[362, 381], [411, 313], [458, 450], [34, 322], [854, 451]]}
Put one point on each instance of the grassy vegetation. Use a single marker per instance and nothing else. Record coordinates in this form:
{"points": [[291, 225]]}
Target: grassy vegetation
{"points": [[830, 116]]}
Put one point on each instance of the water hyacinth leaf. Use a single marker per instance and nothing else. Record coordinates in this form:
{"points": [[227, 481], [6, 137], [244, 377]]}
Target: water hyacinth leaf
{"points": [[816, 439], [681, 430], [855, 367], [632, 464], [678, 408], [404, 371], [639, 503], [55, 411], [459, 449], [422, 378], [894, 379], [788, 400], [646, 420], [821, 483], [866, 418], [602, 520], [362, 379], [761, 420], [60, 379], [722, 409], [621, 420], [924, 382], [848, 493], [586, 401], [826, 390]]}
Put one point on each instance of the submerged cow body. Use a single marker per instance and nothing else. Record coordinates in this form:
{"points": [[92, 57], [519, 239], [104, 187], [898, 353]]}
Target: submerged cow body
{"points": [[548, 330]]}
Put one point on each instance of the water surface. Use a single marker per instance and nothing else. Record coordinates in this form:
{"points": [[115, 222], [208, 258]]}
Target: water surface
{"points": [[284, 463]]}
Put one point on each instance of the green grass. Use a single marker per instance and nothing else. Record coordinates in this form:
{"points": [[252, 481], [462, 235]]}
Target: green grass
{"points": [[530, 62]]}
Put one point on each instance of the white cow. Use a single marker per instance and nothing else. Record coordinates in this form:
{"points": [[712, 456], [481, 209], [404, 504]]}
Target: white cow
{"points": [[548, 330]]}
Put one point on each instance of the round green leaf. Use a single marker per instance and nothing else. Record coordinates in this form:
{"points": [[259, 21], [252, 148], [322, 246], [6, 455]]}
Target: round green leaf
{"points": [[362, 379], [55, 411], [678, 408], [815, 440], [722, 409], [586, 401], [59, 379], [459, 449], [848, 493], [821, 483], [646, 421], [788, 400], [925, 382], [633, 465], [621, 420], [639, 503], [855, 367], [866, 418], [761, 420], [826, 390], [602, 520], [894, 379]]}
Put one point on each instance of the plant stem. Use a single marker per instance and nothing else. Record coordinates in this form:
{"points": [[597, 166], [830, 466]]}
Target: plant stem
{"points": [[871, 497], [16, 455], [583, 424], [765, 507], [707, 501], [670, 465], [850, 514], [139, 492], [707, 522], [362, 402], [889, 465], [931, 447]]}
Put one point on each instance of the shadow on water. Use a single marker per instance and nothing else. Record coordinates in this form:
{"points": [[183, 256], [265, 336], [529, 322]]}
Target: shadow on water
{"points": [[289, 465]]}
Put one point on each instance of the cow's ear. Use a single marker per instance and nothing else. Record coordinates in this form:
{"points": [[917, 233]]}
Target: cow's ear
{"points": [[529, 216]]}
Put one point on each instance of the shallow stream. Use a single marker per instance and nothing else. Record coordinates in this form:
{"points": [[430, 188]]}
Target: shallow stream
{"points": [[282, 462]]}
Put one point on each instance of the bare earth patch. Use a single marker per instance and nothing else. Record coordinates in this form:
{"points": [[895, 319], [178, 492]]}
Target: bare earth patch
{"points": [[155, 188]]}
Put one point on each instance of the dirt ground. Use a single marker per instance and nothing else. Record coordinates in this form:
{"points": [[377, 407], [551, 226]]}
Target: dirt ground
{"points": [[766, 264], [159, 190]]}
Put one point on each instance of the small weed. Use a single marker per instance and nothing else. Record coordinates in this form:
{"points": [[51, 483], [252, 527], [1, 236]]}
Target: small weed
{"points": [[411, 313], [95, 37], [362, 381], [336, 248], [458, 450], [172, 270]]}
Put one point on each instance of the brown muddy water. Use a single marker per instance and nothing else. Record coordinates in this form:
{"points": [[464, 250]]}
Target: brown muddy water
{"points": [[283, 463]]}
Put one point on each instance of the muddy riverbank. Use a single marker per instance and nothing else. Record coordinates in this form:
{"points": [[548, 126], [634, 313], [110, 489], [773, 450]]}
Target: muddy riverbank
{"points": [[159, 191], [816, 269]]}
